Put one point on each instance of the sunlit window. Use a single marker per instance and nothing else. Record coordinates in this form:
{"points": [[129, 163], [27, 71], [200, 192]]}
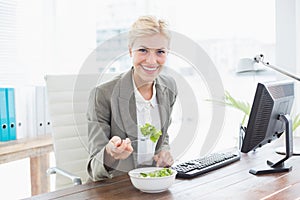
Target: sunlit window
{"points": [[39, 37]]}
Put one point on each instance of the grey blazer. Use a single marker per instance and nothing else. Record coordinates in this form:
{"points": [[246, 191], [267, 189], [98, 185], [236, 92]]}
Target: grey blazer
{"points": [[112, 112]]}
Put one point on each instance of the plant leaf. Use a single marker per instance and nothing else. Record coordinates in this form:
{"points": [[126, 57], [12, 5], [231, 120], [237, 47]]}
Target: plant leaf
{"points": [[246, 108], [240, 105], [296, 122]]}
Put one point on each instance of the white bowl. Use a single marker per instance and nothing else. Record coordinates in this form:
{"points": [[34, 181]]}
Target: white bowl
{"points": [[151, 184]]}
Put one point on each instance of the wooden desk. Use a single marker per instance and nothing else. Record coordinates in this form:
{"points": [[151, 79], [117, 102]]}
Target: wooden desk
{"points": [[231, 182], [37, 149]]}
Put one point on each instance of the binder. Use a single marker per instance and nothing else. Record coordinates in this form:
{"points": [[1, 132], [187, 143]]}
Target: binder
{"points": [[48, 125], [40, 109], [11, 113], [31, 121], [4, 135], [21, 111]]}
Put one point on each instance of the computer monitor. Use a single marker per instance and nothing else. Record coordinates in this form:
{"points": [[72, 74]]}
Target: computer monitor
{"points": [[269, 118]]}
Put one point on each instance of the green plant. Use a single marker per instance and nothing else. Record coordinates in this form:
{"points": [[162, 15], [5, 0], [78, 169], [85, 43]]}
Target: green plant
{"points": [[237, 104], [245, 107]]}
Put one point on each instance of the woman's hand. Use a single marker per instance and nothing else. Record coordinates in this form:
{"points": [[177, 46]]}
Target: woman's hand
{"points": [[163, 159], [119, 149]]}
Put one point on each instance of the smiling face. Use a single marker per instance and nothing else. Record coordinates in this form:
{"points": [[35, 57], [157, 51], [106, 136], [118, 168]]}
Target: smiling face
{"points": [[149, 54]]}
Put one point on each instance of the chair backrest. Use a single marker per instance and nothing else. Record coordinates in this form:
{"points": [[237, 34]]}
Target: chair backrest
{"points": [[67, 97]]}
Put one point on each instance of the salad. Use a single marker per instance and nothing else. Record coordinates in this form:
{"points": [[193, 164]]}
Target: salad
{"points": [[157, 173], [150, 131]]}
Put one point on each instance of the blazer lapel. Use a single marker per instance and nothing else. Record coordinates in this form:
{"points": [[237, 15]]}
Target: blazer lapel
{"points": [[127, 107], [164, 108]]}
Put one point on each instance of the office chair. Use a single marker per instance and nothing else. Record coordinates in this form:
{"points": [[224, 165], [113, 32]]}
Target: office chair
{"points": [[69, 125]]}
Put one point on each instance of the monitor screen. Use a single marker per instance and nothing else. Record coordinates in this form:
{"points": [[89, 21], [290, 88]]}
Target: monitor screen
{"points": [[271, 100]]}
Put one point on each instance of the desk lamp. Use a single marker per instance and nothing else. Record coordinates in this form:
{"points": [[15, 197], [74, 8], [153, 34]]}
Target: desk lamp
{"points": [[250, 65]]}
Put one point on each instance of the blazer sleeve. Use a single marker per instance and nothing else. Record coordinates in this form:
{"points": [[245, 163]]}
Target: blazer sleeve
{"points": [[98, 117]]}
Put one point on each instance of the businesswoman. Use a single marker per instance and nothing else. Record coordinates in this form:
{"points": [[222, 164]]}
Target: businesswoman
{"points": [[119, 107]]}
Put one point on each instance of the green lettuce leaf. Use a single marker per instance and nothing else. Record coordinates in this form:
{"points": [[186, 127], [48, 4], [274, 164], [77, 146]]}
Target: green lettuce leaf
{"points": [[150, 131]]}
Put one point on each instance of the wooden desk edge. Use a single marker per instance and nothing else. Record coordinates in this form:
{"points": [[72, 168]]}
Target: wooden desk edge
{"points": [[25, 144]]}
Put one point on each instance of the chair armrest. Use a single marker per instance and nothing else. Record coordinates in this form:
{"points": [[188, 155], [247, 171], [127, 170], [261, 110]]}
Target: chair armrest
{"points": [[55, 170]]}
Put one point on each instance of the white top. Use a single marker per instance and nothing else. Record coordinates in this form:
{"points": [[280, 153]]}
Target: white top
{"points": [[147, 112]]}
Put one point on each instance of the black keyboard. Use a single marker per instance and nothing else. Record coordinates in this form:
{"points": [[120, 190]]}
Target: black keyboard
{"points": [[213, 161]]}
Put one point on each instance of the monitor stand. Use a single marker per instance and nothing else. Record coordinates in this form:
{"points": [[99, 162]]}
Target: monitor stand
{"points": [[281, 151], [279, 166]]}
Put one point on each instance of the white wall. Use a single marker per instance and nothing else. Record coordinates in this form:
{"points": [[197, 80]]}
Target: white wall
{"points": [[286, 34], [75, 34], [288, 41]]}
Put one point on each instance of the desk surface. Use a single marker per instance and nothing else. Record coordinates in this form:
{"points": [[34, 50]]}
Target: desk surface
{"points": [[231, 182]]}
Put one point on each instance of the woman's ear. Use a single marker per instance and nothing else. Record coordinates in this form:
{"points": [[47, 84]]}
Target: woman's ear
{"points": [[130, 51]]}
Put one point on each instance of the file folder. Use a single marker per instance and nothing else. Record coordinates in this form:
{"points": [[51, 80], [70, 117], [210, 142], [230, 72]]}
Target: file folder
{"points": [[40, 109], [21, 111], [31, 120], [20, 108], [48, 125], [4, 135], [11, 113]]}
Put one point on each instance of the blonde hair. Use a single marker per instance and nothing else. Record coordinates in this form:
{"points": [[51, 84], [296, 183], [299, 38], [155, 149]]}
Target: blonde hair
{"points": [[146, 26]]}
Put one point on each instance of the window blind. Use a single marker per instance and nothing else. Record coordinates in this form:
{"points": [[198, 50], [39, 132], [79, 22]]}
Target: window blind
{"points": [[9, 73]]}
